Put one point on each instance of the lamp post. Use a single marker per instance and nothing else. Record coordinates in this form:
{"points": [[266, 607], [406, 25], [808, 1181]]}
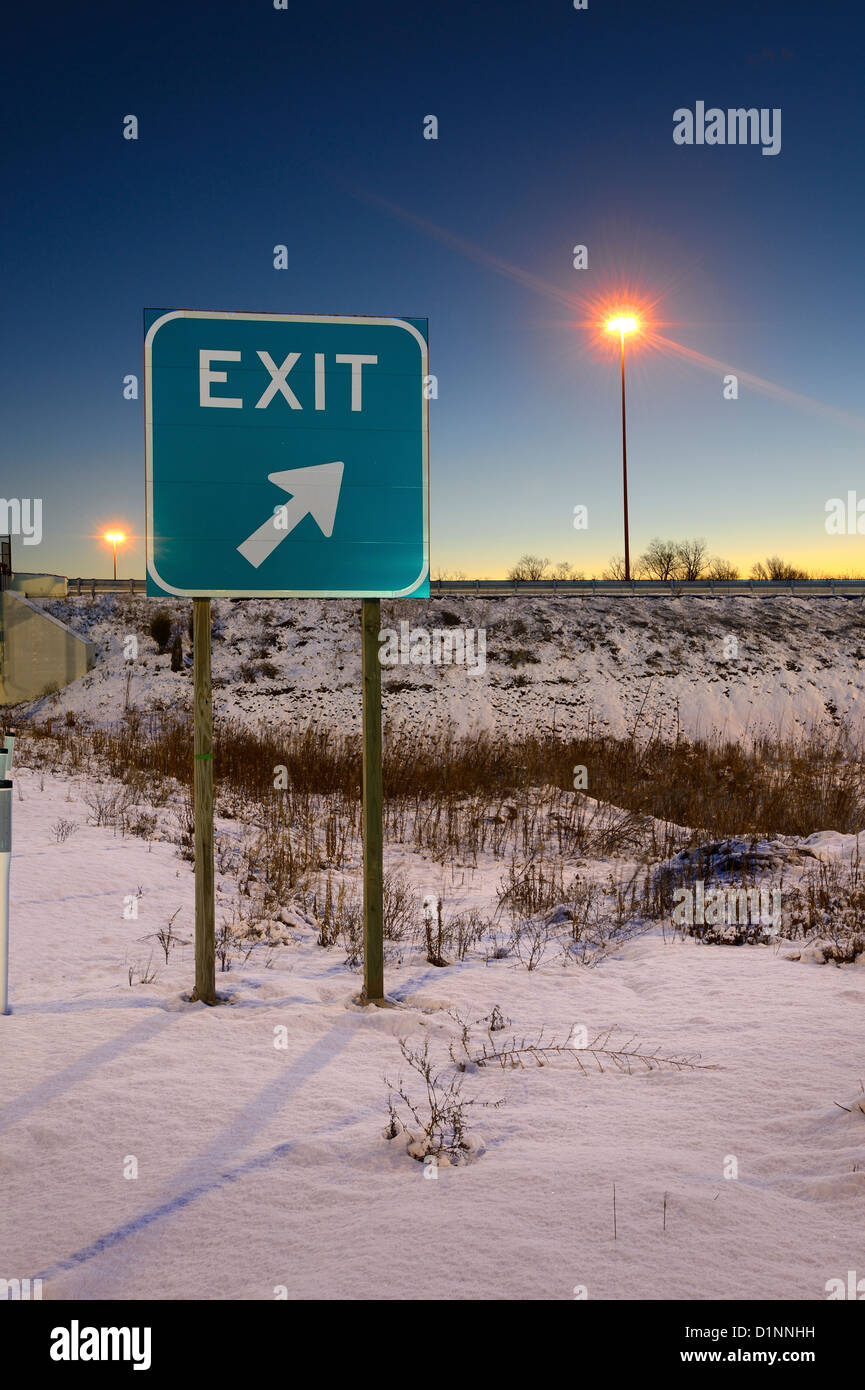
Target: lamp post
{"points": [[623, 325], [115, 537]]}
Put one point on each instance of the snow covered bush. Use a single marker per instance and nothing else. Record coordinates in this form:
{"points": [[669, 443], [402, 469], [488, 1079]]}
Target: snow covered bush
{"points": [[827, 908]]}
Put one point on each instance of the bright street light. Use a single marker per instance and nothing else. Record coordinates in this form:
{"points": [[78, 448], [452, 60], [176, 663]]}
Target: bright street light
{"points": [[622, 324], [115, 537]]}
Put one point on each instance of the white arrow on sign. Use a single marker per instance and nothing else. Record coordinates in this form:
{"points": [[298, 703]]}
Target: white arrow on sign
{"points": [[313, 490]]}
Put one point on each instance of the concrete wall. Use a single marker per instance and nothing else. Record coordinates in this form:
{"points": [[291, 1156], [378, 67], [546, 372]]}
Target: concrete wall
{"points": [[37, 653], [39, 585]]}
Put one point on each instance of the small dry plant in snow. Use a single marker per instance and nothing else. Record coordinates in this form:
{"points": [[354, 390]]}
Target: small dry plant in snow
{"points": [[63, 828], [435, 1122], [627, 1056]]}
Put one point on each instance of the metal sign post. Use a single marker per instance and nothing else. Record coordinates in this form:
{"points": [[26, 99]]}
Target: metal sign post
{"points": [[5, 561], [5, 863]]}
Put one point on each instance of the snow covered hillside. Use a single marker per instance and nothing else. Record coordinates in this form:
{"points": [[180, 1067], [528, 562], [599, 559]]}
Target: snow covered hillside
{"points": [[733, 665]]}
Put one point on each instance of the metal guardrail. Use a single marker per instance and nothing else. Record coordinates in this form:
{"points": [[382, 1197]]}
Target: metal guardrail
{"points": [[105, 586], [651, 588], [661, 588]]}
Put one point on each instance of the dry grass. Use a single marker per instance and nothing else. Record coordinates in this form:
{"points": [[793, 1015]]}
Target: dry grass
{"points": [[451, 800], [480, 792]]}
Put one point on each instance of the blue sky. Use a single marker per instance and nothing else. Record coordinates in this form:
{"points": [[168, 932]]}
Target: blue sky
{"points": [[260, 126]]}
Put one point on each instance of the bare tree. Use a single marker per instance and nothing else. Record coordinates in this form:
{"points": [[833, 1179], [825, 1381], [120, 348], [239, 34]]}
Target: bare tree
{"points": [[529, 567], [776, 568], [660, 560], [616, 568], [691, 559], [565, 570], [722, 569]]}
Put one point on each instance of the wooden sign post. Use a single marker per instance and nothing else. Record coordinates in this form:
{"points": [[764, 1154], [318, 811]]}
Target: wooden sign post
{"points": [[205, 946], [373, 913]]}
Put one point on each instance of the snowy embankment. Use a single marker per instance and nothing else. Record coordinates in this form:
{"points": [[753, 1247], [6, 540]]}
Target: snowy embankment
{"points": [[732, 665], [262, 1166]]}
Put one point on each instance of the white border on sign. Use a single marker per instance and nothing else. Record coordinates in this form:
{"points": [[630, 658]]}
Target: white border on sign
{"points": [[148, 457]]}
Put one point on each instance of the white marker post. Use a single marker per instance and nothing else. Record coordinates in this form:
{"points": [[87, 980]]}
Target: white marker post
{"points": [[5, 860], [9, 742]]}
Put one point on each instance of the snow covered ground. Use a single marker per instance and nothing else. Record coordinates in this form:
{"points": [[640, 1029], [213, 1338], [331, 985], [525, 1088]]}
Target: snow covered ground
{"points": [[263, 1168], [732, 665]]}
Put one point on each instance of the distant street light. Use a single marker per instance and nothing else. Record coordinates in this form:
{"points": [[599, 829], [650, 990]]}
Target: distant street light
{"points": [[623, 324], [115, 537]]}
